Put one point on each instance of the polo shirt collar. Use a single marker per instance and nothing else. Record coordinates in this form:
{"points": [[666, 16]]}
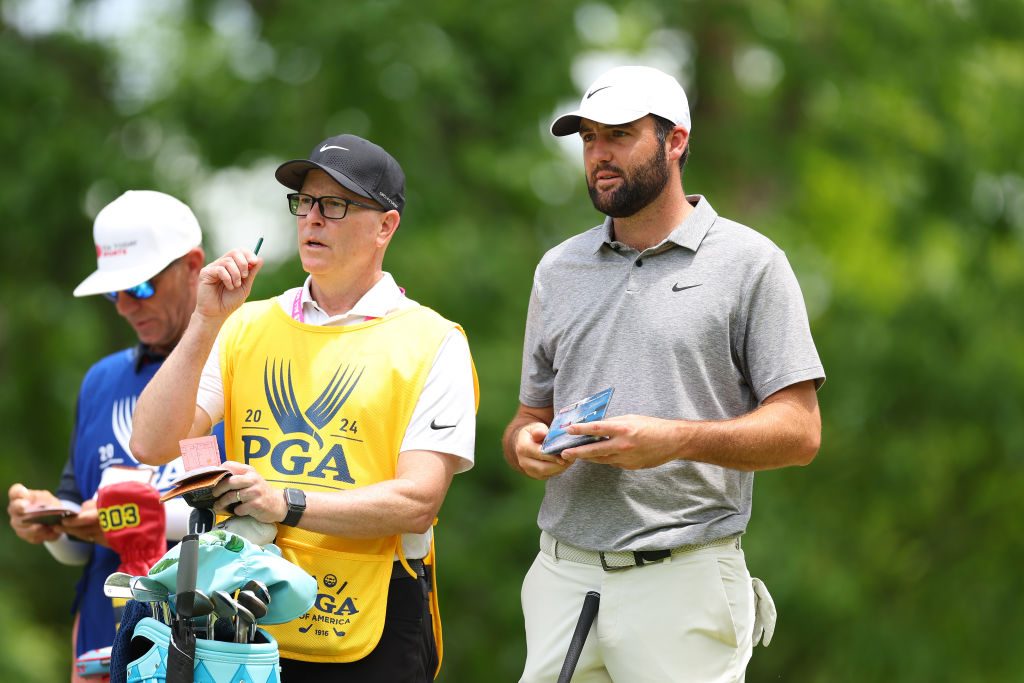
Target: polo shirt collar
{"points": [[600, 235], [688, 234], [384, 297], [142, 355]]}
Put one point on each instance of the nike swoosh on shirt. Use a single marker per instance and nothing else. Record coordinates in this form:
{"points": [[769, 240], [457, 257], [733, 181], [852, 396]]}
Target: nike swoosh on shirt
{"points": [[677, 288], [327, 147], [434, 425]]}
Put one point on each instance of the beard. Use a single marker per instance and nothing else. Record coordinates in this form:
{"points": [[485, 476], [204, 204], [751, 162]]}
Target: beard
{"points": [[639, 187]]}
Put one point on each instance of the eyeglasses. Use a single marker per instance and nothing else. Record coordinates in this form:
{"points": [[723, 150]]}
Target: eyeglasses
{"points": [[330, 207], [144, 290]]}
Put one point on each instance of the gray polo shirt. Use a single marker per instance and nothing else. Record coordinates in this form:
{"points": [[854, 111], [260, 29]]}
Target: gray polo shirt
{"points": [[703, 326]]}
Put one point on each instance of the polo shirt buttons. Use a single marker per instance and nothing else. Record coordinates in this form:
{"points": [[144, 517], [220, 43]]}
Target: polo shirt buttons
{"points": [[639, 263]]}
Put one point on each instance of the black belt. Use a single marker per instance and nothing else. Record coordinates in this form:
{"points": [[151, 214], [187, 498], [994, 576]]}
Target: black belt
{"points": [[400, 572]]}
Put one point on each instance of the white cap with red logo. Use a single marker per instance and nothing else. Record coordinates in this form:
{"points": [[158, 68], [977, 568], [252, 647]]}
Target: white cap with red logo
{"points": [[138, 235]]}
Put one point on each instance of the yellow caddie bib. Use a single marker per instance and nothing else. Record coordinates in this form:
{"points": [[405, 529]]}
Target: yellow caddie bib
{"points": [[325, 409]]}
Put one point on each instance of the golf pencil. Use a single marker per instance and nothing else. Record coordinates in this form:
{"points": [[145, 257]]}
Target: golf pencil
{"points": [[258, 245]]}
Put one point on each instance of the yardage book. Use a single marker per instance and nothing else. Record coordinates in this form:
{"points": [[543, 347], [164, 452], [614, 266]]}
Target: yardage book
{"points": [[203, 471], [49, 515], [589, 409]]}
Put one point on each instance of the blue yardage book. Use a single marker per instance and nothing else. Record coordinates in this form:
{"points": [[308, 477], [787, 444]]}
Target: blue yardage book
{"points": [[589, 409]]}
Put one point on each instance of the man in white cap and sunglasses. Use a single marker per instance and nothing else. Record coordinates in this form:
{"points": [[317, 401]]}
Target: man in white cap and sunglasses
{"points": [[149, 254], [698, 325], [348, 408]]}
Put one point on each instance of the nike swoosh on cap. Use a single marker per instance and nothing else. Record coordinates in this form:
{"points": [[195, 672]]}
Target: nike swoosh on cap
{"points": [[677, 288], [434, 425], [594, 92], [327, 147]]}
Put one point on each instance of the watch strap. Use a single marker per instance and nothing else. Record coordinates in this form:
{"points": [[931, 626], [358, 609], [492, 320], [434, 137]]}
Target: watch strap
{"points": [[295, 511]]}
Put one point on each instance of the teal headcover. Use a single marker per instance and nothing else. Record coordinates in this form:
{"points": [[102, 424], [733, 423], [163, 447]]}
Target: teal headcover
{"points": [[228, 561]]}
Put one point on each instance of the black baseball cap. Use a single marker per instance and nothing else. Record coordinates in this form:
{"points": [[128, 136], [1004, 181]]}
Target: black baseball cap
{"points": [[355, 163]]}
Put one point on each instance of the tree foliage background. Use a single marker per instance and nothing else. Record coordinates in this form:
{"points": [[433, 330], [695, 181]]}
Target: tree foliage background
{"points": [[876, 142]]}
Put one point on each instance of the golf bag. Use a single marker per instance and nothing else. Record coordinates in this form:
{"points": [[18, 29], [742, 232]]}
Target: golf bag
{"points": [[215, 661], [183, 649]]}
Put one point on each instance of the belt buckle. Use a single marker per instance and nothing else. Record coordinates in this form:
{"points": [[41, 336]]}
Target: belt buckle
{"points": [[607, 568], [640, 559]]}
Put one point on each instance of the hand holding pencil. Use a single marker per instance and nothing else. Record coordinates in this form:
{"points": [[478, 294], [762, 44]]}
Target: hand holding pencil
{"points": [[225, 284]]}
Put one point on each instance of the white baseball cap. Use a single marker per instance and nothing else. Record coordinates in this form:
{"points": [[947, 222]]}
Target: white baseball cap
{"points": [[137, 235], [625, 94]]}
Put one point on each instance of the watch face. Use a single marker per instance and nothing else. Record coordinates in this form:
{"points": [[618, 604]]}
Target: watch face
{"points": [[295, 498]]}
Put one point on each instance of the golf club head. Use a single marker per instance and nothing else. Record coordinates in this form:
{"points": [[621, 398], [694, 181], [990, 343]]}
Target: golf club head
{"points": [[224, 605], [252, 603], [202, 605], [193, 603], [258, 608], [202, 611], [118, 585], [147, 590], [226, 608], [259, 589]]}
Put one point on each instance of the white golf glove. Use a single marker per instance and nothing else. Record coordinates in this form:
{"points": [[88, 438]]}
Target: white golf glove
{"points": [[764, 613], [250, 528]]}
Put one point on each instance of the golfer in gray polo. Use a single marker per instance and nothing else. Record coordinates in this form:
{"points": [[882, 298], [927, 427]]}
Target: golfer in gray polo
{"points": [[698, 326]]}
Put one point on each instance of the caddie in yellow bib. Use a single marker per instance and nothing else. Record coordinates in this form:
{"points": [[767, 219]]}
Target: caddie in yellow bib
{"points": [[325, 409], [348, 408]]}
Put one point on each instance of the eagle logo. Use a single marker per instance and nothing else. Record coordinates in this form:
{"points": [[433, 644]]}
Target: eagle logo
{"points": [[277, 383], [121, 423]]}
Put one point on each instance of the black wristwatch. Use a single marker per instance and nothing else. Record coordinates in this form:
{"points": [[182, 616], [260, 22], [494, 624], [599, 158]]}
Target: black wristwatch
{"points": [[295, 499]]}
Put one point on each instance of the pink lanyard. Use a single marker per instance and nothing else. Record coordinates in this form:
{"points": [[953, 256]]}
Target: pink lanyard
{"points": [[297, 313]]}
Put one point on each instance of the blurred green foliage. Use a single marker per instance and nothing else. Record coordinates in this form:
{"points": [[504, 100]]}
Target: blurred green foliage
{"points": [[878, 143]]}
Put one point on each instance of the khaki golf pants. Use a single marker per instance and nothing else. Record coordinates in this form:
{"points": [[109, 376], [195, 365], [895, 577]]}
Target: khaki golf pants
{"points": [[686, 619]]}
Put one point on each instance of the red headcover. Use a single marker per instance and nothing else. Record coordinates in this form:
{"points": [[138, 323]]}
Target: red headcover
{"points": [[134, 523]]}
